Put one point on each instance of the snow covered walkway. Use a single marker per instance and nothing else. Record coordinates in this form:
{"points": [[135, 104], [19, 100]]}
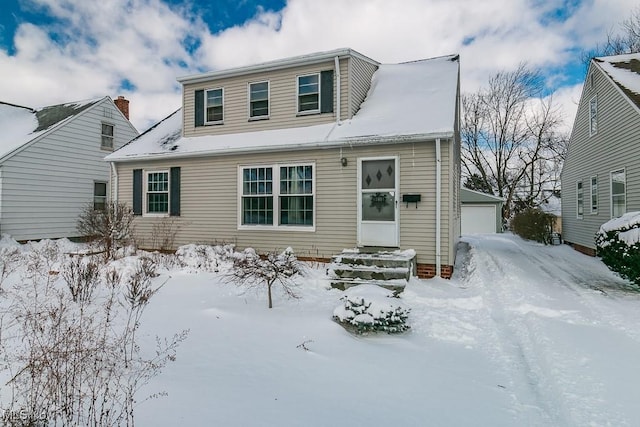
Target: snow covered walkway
{"points": [[523, 335]]}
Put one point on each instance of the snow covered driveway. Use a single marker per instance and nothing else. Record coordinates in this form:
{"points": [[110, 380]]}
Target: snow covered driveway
{"points": [[523, 335]]}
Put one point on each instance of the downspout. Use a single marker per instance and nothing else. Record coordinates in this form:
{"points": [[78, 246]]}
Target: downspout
{"points": [[438, 207], [114, 170], [337, 73]]}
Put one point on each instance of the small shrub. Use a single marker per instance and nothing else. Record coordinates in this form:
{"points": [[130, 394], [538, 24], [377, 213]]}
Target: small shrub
{"points": [[370, 308], [618, 245], [533, 224], [110, 228]]}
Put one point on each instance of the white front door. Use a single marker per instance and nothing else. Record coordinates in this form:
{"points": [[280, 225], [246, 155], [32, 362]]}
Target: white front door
{"points": [[378, 215]]}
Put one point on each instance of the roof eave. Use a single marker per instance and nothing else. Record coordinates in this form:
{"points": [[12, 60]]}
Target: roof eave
{"points": [[275, 65], [356, 141]]}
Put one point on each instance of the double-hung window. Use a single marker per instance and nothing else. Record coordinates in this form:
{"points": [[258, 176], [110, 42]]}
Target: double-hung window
{"points": [[309, 93], [99, 195], [259, 100], [157, 200], [277, 195], [107, 137], [593, 116], [618, 193], [594, 194], [214, 106], [579, 200]]}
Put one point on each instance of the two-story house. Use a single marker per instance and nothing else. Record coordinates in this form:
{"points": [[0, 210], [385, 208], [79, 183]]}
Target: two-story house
{"points": [[51, 163], [601, 175], [319, 152]]}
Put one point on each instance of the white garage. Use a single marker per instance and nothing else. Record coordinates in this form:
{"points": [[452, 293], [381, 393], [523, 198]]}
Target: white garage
{"points": [[481, 213]]}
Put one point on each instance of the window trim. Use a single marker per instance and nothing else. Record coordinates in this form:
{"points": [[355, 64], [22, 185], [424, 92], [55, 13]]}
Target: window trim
{"points": [[579, 199], [263, 117], [308, 112], [214, 122], [593, 123], [624, 171], [103, 135], [276, 226], [593, 208], [106, 193], [145, 187]]}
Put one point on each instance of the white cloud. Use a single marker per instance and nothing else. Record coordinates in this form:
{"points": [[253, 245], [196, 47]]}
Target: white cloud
{"points": [[145, 42]]}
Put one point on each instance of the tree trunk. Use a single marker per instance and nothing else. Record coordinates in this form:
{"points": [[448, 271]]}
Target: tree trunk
{"points": [[269, 294]]}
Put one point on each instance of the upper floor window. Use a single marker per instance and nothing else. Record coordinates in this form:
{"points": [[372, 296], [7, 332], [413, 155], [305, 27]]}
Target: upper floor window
{"points": [[593, 116], [594, 194], [618, 193], [214, 105], [107, 136], [579, 200], [259, 100], [309, 93], [99, 195]]}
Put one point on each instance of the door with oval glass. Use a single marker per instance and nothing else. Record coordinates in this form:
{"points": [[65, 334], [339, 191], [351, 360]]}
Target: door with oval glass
{"points": [[378, 216]]}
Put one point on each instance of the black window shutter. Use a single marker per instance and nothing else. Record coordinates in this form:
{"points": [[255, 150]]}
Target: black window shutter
{"points": [[199, 108], [326, 87], [174, 188], [137, 191]]}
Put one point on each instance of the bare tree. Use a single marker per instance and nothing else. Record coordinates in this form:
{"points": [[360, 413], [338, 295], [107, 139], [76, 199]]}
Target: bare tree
{"points": [[511, 141], [110, 227], [625, 40], [254, 271]]}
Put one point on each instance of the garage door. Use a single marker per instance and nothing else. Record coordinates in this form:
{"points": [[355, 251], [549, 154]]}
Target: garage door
{"points": [[478, 219]]}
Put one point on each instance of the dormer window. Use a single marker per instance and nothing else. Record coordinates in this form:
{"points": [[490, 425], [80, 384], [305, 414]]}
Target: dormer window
{"points": [[214, 109], [309, 93], [259, 100]]}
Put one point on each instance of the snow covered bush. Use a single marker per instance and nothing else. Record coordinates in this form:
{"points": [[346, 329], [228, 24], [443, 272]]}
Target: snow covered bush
{"points": [[371, 308], [533, 224], [618, 244], [250, 269], [109, 228], [204, 257]]}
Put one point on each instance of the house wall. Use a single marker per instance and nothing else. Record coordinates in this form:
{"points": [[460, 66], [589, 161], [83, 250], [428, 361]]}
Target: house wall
{"points": [[614, 146], [282, 101], [209, 200], [45, 186], [360, 74]]}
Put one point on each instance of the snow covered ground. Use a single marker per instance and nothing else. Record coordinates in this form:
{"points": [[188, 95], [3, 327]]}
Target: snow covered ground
{"points": [[523, 335]]}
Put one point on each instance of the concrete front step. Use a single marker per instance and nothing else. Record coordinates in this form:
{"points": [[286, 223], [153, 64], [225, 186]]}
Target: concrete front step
{"points": [[396, 286], [389, 269]]}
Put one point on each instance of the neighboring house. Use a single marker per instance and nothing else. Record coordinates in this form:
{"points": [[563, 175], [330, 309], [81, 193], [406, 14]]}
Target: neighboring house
{"points": [[51, 163], [318, 152], [601, 175], [552, 205], [481, 213]]}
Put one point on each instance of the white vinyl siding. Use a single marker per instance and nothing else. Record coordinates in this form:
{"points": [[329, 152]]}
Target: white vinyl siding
{"points": [[618, 193], [46, 185], [210, 200]]}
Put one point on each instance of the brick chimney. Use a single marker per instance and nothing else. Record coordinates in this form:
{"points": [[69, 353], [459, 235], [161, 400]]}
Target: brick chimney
{"points": [[123, 105]]}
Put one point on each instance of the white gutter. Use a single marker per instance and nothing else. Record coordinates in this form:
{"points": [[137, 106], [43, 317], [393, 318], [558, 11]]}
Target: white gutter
{"points": [[115, 181], [336, 59], [438, 206]]}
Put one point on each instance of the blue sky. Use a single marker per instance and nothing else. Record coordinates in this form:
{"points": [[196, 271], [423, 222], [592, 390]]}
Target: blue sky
{"points": [[63, 50]]}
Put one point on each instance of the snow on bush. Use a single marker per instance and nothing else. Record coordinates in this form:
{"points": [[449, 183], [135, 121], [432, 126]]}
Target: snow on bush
{"points": [[204, 257], [370, 308], [618, 244]]}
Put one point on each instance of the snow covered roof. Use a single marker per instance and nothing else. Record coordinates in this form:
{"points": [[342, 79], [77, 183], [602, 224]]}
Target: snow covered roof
{"points": [[471, 196], [624, 70], [406, 102], [20, 125]]}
